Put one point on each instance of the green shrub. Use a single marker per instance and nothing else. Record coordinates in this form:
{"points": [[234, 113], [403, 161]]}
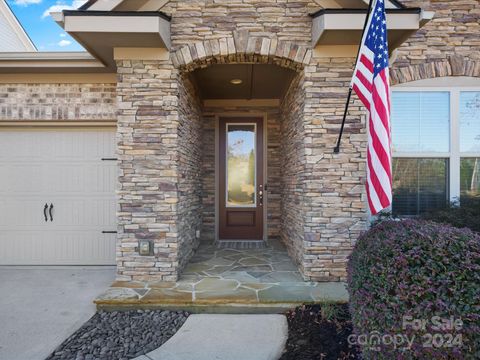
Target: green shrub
{"points": [[466, 215], [414, 269]]}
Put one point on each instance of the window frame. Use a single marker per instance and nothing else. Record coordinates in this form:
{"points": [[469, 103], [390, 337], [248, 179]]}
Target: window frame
{"points": [[454, 155]]}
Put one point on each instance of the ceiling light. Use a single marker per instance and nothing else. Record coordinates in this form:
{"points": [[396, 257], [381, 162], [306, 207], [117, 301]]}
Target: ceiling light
{"points": [[236, 81]]}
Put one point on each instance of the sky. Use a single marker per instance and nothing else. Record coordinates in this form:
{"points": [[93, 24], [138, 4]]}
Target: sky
{"points": [[39, 25]]}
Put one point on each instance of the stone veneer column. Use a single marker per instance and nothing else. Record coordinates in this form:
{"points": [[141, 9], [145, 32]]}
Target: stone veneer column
{"points": [[334, 201], [148, 193]]}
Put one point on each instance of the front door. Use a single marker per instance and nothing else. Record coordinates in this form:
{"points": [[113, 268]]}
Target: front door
{"points": [[241, 178]]}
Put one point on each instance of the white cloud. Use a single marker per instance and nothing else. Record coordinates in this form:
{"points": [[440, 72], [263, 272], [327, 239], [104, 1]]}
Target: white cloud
{"points": [[26, 2], [60, 5], [63, 35], [64, 43]]}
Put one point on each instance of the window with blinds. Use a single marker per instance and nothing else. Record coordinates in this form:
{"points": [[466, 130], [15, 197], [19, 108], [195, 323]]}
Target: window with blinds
{"points": [[419, 185], [470, 121], [420, 128], [469, 178], [436, 146], [421, 121]]}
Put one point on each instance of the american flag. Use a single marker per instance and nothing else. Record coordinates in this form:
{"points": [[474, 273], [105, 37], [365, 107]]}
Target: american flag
{"points": [[371, 83]]}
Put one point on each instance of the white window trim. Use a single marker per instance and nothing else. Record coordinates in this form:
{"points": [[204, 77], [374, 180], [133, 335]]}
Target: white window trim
{"points": [[454, 155]]}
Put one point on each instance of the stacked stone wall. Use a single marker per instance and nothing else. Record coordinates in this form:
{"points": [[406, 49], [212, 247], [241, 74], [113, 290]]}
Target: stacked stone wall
{"points": [[334, 201], [293, 179], [148, 150], [189, 208], [199, 20], [449, 45]]}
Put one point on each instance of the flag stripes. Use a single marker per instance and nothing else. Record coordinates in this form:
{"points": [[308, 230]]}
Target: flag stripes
{"points": [[371, 84]]}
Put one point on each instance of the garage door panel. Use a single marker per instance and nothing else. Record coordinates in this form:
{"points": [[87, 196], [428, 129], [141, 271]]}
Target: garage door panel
{"points": [[63, 168], [22, 178], [86, 213], [103, 178], [67, 178], [22, 213], [58, 248], [22, 146]]}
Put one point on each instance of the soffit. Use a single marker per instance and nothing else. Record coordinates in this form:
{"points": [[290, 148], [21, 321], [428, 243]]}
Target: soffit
{"points": [[100, 32], [52, 62], [259, 81], [345, 26]]}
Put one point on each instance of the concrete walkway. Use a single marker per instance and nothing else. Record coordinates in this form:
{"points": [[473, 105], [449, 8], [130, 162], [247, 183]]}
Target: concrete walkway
{"points": [[225, 337], [42, 306]]}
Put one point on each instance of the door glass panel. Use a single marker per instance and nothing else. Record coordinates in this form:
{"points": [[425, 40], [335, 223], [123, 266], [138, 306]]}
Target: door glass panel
{"points": [[241, 165]]}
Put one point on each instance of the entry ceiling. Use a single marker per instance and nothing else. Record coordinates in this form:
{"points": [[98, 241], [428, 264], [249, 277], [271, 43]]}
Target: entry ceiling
{"points": [[259, 81]]}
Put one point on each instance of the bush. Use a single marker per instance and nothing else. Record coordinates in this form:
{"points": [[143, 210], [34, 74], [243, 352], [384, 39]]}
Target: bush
{"points": [[467, 215], [414, 269]]}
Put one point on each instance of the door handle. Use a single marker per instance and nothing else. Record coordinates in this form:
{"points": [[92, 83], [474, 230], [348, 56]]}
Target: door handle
{"points": [[50, 212], [45, 211]]}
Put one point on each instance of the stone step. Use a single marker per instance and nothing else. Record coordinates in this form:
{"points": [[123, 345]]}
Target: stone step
{"points": [[219, 297]]}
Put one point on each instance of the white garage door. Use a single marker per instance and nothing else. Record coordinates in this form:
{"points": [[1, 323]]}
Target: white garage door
{"points": [[57, 197]]}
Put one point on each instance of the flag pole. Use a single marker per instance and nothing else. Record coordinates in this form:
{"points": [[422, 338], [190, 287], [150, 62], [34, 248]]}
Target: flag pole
{"points": [[336, 149]]}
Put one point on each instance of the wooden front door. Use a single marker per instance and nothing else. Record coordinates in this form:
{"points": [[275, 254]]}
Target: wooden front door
{"points": [[241, 178]]}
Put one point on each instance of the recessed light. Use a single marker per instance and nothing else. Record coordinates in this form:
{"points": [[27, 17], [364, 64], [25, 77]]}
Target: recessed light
{"points": [[236, 81]]}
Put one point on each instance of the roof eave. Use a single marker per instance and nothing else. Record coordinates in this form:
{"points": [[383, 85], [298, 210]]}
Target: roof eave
{"points": [[344, 26]]}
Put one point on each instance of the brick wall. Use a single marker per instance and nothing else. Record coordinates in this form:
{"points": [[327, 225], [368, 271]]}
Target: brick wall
{"points": [[57, 102]]}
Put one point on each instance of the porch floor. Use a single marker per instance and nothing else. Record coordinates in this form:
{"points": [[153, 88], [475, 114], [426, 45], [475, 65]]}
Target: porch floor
{"points": [[216, 278]]}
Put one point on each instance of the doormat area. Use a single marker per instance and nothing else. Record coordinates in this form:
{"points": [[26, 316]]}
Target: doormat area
{"points": [[241, 244]]}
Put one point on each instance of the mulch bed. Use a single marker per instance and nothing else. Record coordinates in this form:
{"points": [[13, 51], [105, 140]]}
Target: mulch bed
{"points": [[120, 335], [319, 333]]}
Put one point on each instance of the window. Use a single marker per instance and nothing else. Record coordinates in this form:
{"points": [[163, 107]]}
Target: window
{"points": [[470, 121], [420, 185], [436, 147], [469, 178], [421, 122]]}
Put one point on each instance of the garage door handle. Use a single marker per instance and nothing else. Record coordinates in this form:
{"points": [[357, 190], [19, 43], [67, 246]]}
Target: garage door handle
{"points": [[45, 212], [50, 212]]}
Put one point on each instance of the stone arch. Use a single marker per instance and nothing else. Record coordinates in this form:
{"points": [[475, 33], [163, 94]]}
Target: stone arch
{"points": [[241, 48], [455, 65]]}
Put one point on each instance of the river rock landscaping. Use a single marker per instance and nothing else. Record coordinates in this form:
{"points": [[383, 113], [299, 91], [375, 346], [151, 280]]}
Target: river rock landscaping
{"points": [[120, 335], [319, 332]]}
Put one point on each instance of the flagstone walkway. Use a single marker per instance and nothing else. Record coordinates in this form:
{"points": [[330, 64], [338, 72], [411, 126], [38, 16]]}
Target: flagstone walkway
{"points": [[250, 277]]}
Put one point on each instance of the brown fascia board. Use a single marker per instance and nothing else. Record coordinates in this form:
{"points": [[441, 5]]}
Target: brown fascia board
{"points": [[394, 2], [364, 11], [116, 13], [87, 4]]}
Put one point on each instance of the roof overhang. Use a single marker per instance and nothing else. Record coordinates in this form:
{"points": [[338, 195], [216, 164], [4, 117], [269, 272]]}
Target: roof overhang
{"points": [[344, 26], [100, 32], [49, 62]]}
